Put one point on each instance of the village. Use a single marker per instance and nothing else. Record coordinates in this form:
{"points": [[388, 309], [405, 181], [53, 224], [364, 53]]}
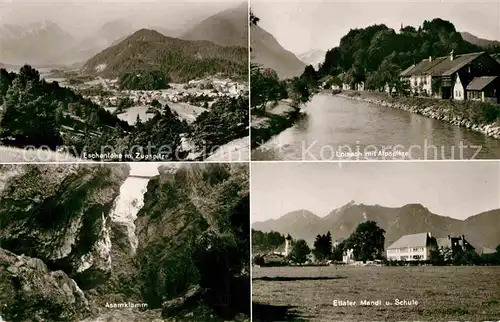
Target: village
{"points": [[414, 249], [472, 76], [196, 92]]}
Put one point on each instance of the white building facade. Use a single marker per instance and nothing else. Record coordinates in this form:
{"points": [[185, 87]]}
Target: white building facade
{"points": [[416, 247], [458, 90]]}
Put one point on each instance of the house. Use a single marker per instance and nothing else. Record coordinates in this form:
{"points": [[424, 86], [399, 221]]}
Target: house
{"points": [[454, 244], [412, 247], [484, 89], [274, 259], [348, 256], [438, 76], [360, 86]]}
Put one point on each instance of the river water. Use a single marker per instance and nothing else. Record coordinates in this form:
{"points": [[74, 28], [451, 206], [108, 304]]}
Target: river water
{"points": [[337, 128]]}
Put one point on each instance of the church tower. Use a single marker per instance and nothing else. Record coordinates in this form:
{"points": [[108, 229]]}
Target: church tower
{"points": [[288, 245]]}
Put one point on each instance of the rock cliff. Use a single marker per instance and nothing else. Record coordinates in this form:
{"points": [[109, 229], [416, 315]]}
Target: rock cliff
{"points": [[88, 242]]}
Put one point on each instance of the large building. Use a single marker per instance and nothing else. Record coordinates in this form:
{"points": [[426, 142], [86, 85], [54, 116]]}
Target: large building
{"points": [[454, 244], [412, 248], [449, 76]]}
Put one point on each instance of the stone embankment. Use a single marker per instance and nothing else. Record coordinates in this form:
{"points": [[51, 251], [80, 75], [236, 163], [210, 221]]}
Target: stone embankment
{"points": [[441, 113]]}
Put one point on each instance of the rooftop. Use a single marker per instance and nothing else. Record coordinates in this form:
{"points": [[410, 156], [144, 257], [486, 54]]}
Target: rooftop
{"points": [[415, 240], [479, 83], [441, 66]]}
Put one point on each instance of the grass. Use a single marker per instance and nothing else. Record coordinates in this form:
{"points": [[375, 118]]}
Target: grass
{"points": [[442, 293], [272, 122]]}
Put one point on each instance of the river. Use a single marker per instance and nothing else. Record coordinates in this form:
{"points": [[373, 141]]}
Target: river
{"points": [[131, 199], [337, 128]]}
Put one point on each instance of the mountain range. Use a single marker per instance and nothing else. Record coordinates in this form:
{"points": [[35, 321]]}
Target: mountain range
{"points": [[43, 42], [183, 60], [47, 44], [313, 57], [478, 41], [227, 28], [267, 52], [481, 230]]}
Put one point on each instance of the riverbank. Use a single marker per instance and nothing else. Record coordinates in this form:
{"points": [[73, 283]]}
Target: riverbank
{"points": [[277, 117], [476, 116]]}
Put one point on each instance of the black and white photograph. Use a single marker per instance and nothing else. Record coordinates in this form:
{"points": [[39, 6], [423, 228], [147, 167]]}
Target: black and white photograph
{"points": [[122, 242], [124, 81], [375, 241], [374, 80]]}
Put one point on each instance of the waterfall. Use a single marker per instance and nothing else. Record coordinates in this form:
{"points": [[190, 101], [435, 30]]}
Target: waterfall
{"points": [[128, 204]]}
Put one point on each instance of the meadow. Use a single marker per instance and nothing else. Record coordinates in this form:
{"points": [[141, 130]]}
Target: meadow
{"points": [[421, 293]]}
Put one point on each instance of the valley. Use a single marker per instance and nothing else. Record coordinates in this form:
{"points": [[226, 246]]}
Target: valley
{"points": [[136, 89]]}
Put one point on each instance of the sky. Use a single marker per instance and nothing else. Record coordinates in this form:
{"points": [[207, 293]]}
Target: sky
{"points": [[454, 189], [82, 17], [300, 26]]}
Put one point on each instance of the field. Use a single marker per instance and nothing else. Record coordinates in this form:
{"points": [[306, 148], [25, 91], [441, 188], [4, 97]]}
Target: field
{"points": [[443, 293]]}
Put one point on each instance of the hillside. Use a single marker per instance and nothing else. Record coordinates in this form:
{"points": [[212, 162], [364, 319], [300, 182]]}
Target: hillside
{"points": [[479, 41], [267, 52], [301, 224], [481, 230], [183, 60], [377, 54], [227, 28], [37, 43]]}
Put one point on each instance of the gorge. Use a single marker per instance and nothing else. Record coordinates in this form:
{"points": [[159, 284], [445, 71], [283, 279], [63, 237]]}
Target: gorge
{"points": [[92, 242]]}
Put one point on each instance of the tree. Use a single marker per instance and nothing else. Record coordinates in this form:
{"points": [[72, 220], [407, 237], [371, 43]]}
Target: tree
{"points": [[436, 257], [367, 241], [225, 121], [300, 92], [300, 251], [309, 75], [155, 103], [30, 114], [338, 252], [253, 19], [266, 242], [466, 257], [362, 51], [323, 247], [265, 87]]}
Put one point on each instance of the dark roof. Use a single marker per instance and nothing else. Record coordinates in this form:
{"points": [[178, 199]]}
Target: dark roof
{"points": [[415, 240], [441, 66], [479, 83], [443, 242]]}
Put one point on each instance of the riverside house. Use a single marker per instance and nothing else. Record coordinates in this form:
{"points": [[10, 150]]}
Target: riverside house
{"points": [[449, 77], [484, 89]]}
